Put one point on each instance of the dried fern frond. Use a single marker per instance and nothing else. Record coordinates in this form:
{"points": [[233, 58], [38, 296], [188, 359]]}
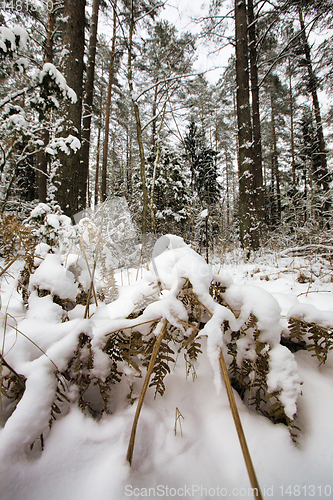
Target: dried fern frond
{"points": [[248, 374], [192, 347], [161, 367], [60, 400], [16, 240], [80, 366], [317, 339]]}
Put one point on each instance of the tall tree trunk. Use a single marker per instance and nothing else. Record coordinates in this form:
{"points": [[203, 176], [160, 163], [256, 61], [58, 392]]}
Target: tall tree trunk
{"points": [[154, 122], [72, 187], [138, 127], [292, 139], [323, 178], [129, 162], [257, 154], [275, 167], [227, 189], [89, 91], [248, 227], [97, 189], [108, 104], [41, 159]]}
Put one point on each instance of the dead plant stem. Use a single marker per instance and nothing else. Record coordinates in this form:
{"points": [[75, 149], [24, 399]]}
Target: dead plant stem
{"points": [[196, 298], [143, 392], [134, 326], [240, 432]]}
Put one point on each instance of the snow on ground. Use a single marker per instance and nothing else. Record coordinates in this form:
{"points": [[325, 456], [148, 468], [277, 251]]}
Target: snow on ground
{"points": [[84, 458]]}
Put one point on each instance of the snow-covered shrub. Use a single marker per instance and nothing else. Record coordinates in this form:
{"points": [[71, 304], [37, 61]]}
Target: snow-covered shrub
{"points": [[51, 226], [85, 360]]}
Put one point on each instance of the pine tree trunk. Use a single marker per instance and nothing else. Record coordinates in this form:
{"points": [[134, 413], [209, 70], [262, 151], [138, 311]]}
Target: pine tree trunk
{"points": [[153, 127], [248, 227], [275, 166], [72, 189], [227, 189], [89, 91], [323, 177], [292, 140], [97, 164], [257, 154], [41, 159], [108, 104], [129, 162], [138, 128]]}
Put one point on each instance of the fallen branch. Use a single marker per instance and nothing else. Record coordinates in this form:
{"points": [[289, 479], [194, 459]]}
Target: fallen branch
{"points": [[303, 250]]}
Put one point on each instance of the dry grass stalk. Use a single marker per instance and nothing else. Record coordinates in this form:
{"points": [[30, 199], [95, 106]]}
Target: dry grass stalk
{"points": [[143, 392], [130, 327], [5, 269], [177, 419], [240, 432]]}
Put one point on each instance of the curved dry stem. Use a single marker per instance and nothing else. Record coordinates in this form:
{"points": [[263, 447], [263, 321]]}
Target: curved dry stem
{"points": [[240, 432], [143, 393]]}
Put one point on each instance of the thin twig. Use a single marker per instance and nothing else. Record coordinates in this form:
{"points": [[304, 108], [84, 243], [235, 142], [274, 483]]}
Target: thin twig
{"points": [[133, 326]]}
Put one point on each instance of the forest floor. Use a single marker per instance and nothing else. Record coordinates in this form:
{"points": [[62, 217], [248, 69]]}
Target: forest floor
{"points": [[186, 444]]}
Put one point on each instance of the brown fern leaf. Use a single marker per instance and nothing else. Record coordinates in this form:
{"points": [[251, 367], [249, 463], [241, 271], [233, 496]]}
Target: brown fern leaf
{"points": [[16, 239], [161, 367], [251, 322], [79, 368], [317, 339], [321, 341], [216, 291]]}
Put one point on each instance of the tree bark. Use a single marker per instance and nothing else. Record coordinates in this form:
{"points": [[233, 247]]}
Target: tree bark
{"points": [[97, 190], [138, 127], [275, 168], [257, 154], [72, 187], [41, 159], [323, 178], [108, 104], [292, 139], [89, 91], [248, 226]]}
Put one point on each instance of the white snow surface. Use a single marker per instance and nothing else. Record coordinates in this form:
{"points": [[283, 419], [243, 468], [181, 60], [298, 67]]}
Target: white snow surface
{"points": [[52, 276], [85, 458]]}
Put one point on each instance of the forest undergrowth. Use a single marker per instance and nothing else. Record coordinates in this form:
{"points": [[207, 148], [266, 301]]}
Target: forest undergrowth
{"points": [[77, 330]]}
